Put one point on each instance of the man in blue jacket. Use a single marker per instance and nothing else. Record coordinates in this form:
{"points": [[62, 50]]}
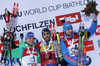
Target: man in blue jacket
{"points": [[71, 40]]}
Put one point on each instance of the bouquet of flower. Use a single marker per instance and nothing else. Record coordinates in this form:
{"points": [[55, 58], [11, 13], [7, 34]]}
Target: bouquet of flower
{"points": [[90, 8]]}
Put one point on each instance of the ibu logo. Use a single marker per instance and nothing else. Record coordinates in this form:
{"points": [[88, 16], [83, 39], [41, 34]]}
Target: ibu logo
{"points": [[99, 43]]}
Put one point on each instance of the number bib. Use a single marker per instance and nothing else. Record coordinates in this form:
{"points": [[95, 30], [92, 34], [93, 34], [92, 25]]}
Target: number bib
{"points": [[28, 60], [50, 59]]}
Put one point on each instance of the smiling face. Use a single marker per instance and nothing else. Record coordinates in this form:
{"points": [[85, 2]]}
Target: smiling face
{"points": [[46, 36], [69, 32], [30, 40]]}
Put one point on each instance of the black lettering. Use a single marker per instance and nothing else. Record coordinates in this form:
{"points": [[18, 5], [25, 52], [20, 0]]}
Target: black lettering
{"points": [[36, 10], [44, 9], [24, 27], [34, 59], [54, 8], [35, 26], [65, 5], [41, 24], [77, 3], [50, 55], [29, 25], [84, 2], [70, 5], [52, 22], [50, 8], [80, 2], [58, 6], [39, 10], [14, 29], [17, 28], [31, 11], [26, 12], [19, 13], [45, 22], [73, 4]]}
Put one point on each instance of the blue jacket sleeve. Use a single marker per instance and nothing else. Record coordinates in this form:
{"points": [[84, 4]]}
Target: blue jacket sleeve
{"points": [[66, 55], [92, 28]]}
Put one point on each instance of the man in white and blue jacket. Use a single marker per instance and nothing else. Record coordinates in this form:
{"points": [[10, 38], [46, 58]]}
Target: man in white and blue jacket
{"points": [[71, 40]]}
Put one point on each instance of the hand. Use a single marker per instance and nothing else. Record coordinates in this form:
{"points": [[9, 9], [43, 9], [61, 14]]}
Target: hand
{"points": [[80, 64], [95, 16]]}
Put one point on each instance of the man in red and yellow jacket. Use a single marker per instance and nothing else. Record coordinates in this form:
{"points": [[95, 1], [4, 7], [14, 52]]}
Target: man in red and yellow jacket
{"points": [[46, 49]]}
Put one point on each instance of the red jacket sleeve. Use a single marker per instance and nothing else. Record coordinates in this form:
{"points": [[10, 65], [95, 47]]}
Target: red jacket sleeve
{"points": [[37, 45]]}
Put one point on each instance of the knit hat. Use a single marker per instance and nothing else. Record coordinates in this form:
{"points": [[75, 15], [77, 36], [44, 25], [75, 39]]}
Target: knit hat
{"points": [[67, 26], [29, 34], [45, 30]]}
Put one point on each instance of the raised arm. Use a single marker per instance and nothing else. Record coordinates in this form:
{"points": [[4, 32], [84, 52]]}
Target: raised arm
{"points": [[92, 29]]}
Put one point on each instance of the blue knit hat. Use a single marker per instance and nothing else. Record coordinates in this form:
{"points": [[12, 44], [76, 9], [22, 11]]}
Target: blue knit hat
{"points": [[29, 34], [45, 30], [67, 26]]}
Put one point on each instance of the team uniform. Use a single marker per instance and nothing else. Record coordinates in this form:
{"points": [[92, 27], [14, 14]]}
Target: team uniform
{"points": [[47, 53], [27, 53], [69, 45]]}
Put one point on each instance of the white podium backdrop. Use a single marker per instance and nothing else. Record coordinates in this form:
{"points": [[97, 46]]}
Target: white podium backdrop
{"points": [[35, 15]]}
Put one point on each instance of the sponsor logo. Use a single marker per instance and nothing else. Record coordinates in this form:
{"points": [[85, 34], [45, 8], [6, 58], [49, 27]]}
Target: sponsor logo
{"points": [[89, 46], [71, 18], [15, 62], [97, 32]]}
